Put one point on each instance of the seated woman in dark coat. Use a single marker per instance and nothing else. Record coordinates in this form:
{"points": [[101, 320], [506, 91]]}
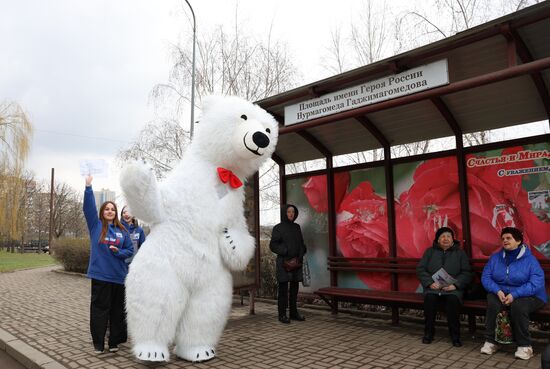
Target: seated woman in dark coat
{"points": [[514, 278], [445, 253], [287, 242]]}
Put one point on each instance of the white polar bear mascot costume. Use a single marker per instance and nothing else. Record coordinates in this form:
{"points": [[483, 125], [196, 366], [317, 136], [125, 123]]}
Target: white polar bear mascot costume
{"points": [[179, 287]]}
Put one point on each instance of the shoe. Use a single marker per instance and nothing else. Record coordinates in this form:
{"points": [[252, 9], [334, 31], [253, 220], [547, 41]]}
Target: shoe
{"points": [[524, 353], [489, 348], [98, 349], [427, 340], [457, 343], [113, 348], [283, 319], [297, 317]]}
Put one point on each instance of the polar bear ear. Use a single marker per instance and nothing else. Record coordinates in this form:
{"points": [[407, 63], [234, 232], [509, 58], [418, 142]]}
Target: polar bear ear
{"points": [[209, 101]]}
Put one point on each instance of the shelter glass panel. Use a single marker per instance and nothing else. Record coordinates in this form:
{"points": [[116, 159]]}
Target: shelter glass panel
{"points": [[309, 195], [427, 197], [362, 224], [510, 187]]}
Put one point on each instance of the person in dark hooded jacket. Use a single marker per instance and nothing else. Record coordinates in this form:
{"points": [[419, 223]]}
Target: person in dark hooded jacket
{"points": [[287, 242], [445, 253]]}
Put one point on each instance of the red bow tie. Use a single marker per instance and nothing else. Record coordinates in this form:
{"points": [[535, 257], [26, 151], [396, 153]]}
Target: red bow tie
{"points": [[227, 176]]}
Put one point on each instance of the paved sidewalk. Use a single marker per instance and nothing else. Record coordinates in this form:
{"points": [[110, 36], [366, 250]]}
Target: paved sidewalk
{"points": [[49, 312]]}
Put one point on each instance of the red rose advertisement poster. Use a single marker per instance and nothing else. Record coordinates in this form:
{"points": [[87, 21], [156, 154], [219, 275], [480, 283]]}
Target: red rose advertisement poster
{"points": [[507, 187], [510, 187], [362, 226]]}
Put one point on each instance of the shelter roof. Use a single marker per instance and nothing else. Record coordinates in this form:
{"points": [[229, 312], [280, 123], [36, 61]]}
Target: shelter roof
{"points": [[498, 76]]}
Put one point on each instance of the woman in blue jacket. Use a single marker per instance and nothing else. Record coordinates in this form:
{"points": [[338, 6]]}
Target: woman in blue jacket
{"points": [[136, 232], [110, 245], [514, 278]]}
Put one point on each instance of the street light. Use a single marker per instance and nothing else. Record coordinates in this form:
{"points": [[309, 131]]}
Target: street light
{"points": [[193, 72]]}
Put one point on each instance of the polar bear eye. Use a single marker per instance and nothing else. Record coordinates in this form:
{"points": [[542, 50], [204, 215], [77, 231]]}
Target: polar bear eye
{"points": [[268, 130], [244, 117]]}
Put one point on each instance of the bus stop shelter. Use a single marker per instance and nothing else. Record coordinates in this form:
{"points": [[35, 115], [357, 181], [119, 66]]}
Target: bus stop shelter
{"points": [[492, 76]]}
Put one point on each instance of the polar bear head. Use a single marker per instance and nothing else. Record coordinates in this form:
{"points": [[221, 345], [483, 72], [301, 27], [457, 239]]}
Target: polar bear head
{"points": [[235, 134]]}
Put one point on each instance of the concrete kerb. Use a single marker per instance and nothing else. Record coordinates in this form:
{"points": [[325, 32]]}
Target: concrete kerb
{"points": [[25, 354]]}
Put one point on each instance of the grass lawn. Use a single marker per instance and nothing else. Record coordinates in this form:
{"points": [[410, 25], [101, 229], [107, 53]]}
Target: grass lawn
{"points": [[10, 262]]}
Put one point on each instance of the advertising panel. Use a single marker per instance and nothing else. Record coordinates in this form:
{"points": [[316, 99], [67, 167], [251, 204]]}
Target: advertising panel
{"points": [[510, 188]]}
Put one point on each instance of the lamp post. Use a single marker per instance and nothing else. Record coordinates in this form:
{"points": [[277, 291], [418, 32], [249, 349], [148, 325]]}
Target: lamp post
{"points": [[193, 72]]}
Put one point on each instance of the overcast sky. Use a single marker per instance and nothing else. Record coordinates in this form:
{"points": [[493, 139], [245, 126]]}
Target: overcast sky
{"points": [[84, 70]]}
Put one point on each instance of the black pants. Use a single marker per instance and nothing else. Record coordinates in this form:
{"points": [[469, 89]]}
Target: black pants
{"points": [[452, 308], [545, 357], [285, 299], [519, 317], [107, 306]]}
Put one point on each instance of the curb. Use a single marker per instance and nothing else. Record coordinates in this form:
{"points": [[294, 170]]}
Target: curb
{"points": [[63, 271], [29, 357]]}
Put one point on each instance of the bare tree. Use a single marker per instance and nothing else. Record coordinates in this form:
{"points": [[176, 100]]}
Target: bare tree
{"points": [[15, 136], [40, 215], [159, 145], [228, 63], [67, 211], [367, 40], [432, 20]]}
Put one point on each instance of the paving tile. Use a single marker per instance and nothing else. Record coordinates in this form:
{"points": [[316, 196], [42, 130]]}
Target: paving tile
{"points": [[49, 312]]}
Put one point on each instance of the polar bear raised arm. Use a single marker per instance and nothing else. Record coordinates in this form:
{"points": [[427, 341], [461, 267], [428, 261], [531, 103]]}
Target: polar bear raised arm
{"points": [[142, 194]]}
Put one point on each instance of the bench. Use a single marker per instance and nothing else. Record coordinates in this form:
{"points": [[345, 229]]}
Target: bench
{"points": [[396, 299]]}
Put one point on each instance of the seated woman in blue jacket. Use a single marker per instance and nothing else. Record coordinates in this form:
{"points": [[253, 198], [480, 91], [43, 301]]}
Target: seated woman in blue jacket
{"points": [[110, 245], [514, 278]]}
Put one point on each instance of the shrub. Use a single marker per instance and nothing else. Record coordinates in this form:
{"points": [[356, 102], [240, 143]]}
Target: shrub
{"points": [[268, 279], [72, 253]]}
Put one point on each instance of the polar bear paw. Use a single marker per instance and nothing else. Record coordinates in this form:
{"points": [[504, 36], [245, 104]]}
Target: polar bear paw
{"points": [[196, 354], [228, 240], [151, 352]]}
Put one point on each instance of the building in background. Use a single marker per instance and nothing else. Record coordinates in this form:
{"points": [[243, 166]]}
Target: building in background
{"points": [[104, 195]]}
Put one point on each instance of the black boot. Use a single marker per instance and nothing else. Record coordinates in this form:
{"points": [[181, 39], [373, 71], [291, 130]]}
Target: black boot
{"points": [[296, 316], [283, 319]]}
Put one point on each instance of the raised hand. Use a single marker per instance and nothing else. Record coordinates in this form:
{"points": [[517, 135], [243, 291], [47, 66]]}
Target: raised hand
{"points": [[89, 179]]}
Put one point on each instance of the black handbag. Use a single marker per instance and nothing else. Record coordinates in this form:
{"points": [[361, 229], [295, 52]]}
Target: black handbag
{"points": [[292, 264]]}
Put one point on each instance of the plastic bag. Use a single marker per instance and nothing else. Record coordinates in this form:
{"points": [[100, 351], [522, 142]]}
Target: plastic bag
{"points": [[306, 275], [503, 329]]}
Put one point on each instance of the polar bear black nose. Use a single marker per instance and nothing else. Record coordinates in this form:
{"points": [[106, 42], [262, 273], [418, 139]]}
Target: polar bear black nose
{"points": [[260, 139]]}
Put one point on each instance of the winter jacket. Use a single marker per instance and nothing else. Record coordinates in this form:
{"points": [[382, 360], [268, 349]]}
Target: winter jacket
{"points": [[455, 262], [287, 242], [524, 276], [136, 235], [105, 264]]}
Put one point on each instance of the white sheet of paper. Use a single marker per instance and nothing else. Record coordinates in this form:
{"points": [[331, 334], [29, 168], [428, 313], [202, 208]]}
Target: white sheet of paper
{"points": [[443, 278], [94, 167]]}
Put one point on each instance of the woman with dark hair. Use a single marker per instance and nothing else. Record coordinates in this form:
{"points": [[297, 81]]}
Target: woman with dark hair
{"points": [[514, 278], [288, 243], [445, 254], [110, 245], [136, 232]]}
